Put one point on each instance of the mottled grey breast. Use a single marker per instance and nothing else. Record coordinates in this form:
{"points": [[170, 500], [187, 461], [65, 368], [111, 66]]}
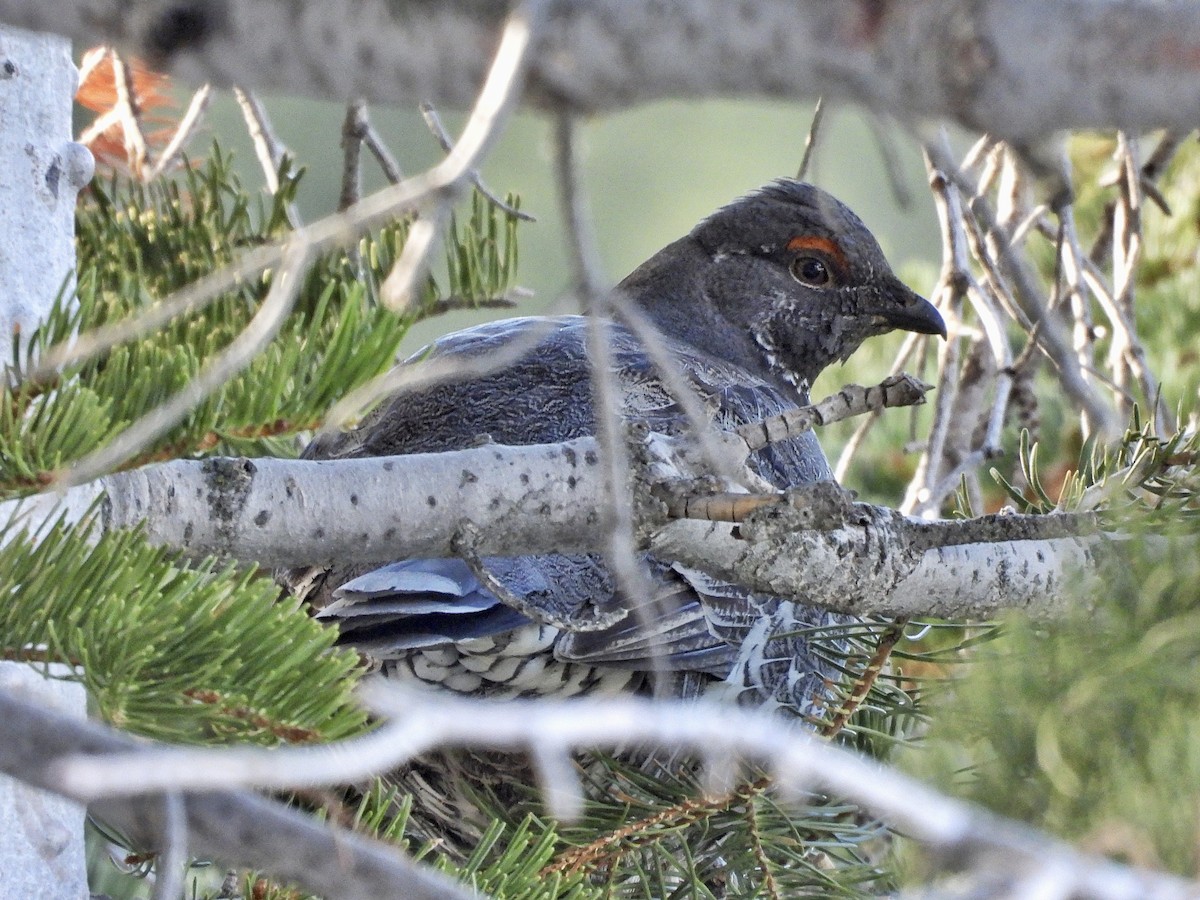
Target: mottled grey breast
{"points": [[528, 381]]}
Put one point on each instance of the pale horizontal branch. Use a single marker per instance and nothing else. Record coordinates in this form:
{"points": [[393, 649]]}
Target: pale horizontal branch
{"points": [[882, 564], [1017, 68], [550, 498], [281, 513]]}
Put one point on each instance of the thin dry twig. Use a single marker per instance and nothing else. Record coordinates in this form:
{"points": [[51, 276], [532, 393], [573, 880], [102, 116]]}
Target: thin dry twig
{"points": [[496, 100], [443, 305], [882, 130], [353, 127], [173, 857], [622, 555], [1010, 279], [1152, 170], [358, 131], [464, 546], [129, 113], [192, 118], [951, 288], [267, 146], [434, 121], [810, 140]]}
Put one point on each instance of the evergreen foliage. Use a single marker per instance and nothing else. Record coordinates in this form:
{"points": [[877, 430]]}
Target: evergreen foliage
{"points": [[140, 242]]}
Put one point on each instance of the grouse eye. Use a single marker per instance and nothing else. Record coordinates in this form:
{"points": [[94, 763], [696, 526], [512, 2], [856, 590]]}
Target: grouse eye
{"points": [[811, 271]]}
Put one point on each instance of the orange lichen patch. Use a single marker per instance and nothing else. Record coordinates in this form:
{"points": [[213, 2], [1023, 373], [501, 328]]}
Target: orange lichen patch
{"points": [[822, 245]]}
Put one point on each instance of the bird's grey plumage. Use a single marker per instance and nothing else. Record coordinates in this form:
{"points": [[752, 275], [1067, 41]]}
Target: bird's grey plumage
{"points": [[752, 305], [543, 397]]}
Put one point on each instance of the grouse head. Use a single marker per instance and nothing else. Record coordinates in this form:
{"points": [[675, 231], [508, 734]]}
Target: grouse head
{"points": [[786, 280]]}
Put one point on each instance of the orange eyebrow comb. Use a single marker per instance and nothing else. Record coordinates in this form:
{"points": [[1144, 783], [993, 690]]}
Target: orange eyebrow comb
{"points": [[824, 245]]}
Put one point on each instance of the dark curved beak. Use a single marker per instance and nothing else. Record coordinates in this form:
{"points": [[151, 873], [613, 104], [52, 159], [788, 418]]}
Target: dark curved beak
{"points": [[910, 311]]}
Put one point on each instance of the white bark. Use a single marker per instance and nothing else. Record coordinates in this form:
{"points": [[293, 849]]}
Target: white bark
{"points": [[239, 828], [869, 567], [303, 512], [41, 171], [552, 497], [1019, 68], [41, 834]]}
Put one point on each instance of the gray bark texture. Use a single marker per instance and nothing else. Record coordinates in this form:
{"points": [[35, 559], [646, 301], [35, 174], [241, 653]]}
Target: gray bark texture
{"points": [[1020, 69]]}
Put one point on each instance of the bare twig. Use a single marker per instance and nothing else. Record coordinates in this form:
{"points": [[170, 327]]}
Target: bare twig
{"points": [[187, 126], [883, 132], [621, 552], [443, 305], [464, 545], [354, 125], [357, 131], [387, 162], [496, 100], [169, 867], [189, 299], [267, 146], [130, 114], [952, 287], [1003, 268], [810, 140], [1152, 170], [434, 121]]}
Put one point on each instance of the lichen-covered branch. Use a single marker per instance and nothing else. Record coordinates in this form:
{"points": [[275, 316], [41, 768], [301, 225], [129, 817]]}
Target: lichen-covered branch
{"points": [[552, 497], [882, 563]]}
